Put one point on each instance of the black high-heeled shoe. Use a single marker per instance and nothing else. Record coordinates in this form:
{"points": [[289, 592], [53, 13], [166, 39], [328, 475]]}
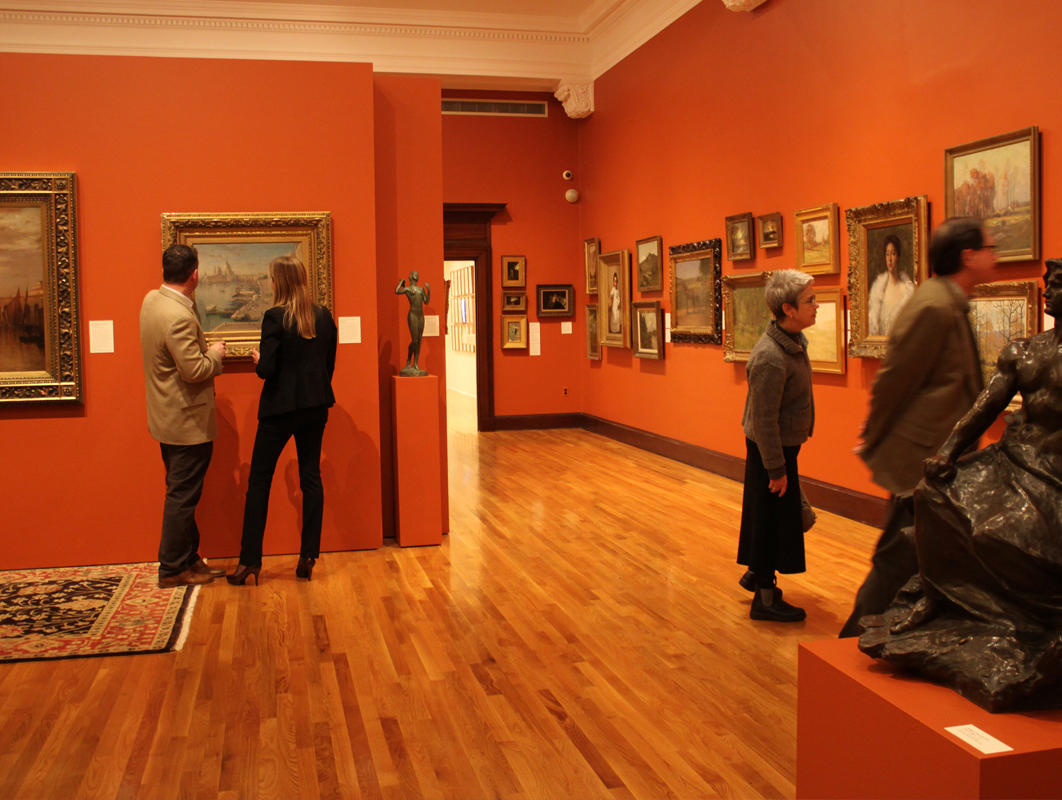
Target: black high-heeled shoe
{"points": [[305, 568], [242, 573]]}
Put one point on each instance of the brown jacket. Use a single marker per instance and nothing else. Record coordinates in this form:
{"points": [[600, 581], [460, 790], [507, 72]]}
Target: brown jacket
{"points": [[929, 379], [179, 370]]}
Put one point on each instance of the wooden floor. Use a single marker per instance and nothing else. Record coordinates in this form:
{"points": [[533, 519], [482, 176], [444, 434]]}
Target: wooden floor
{"points": [[580, 634]]}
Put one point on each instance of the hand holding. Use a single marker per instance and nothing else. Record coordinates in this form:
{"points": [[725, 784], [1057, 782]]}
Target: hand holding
{"points": [[778, 485], [940, 468], [219, 348]]}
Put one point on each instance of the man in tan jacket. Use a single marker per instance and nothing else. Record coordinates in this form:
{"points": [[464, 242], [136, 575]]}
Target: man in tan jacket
{"points": [[179, 370], [929, 379]]}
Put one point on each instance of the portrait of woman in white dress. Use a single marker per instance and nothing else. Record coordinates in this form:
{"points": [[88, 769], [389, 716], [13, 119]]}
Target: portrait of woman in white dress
{"points": [[615, 316], [890, 290]]}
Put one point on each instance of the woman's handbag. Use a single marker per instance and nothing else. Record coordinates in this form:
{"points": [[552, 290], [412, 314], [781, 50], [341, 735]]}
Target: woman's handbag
{"points": [[807, 513]]}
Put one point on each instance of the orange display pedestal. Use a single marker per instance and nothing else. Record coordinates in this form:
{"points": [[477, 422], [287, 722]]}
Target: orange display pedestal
{"points": [[866, 730], [418, 480]]}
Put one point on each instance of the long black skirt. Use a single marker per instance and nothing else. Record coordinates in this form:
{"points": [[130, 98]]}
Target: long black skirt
{"points": [[772, 529]]}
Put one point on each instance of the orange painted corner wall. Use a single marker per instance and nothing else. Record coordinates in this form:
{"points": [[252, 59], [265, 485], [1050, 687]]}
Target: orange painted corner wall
{"points": [[794, 105], [409, 237], [146, 136], [519, 161]]}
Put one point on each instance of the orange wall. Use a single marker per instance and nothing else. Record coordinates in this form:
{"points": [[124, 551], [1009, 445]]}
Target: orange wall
{"points": [[800, 103], [519, 161], [409, 233], [151, 135]]}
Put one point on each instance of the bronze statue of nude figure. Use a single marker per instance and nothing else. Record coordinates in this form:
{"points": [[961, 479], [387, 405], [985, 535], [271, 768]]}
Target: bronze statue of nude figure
{"points": [[418, 296], [984, 615]]}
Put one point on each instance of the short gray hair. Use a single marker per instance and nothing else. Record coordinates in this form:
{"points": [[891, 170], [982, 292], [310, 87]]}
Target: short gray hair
{"points": [[785, 286]]}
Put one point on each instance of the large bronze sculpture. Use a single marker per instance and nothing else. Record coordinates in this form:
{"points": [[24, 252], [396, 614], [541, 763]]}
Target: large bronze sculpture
{"points": [[984, 615]]}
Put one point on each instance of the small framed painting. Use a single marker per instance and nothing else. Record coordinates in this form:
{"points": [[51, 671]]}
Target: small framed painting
{"points": [[513, 272], [593, 340], [746, 314], [739, 233], [817, 248], [647, 329], [997, 180], [649, 254], [591, 250], [614, 280], [514, 332], [999, 314], [696, 305], [514, 303], [770, 230], [555, 300], [826, 335]]}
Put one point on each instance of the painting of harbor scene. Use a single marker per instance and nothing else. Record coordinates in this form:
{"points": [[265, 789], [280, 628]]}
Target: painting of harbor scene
{"points": [[234, 289], [22, 295]]}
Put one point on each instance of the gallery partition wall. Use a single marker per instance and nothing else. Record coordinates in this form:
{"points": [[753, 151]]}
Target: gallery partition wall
{"points": [[466, 237]]}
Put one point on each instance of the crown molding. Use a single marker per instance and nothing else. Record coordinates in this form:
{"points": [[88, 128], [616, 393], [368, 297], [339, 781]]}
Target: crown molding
{"points": [[530, 50]]}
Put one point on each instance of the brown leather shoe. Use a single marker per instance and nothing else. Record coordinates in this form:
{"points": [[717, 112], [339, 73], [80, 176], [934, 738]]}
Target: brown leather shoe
{"points": [[201, 567], [186, 578]]}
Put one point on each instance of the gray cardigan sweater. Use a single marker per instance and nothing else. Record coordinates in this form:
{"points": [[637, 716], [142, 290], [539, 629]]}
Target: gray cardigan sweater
{"points": [[779, 409]]}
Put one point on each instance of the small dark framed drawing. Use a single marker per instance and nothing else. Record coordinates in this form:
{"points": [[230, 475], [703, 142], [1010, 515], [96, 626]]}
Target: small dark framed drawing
{"points": [[593, 339], [817, 248], [739, 233], [514, 303], [514, 332], [555, 300], [998, 180], [591, 250], [647, 329], [514, 272], [770, 230], [648, 254]]}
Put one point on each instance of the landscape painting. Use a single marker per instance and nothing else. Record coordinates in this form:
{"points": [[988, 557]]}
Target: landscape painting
{"points": [[826, 335], [234, 289], [997, 180], [22, 294], [817, 246], [746, 314], [648, 253], [999, 314], [696, 301]]}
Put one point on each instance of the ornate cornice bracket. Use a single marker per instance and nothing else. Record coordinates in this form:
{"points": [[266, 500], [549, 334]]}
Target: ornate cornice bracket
{"points": [[578, 98], [743, 5]]}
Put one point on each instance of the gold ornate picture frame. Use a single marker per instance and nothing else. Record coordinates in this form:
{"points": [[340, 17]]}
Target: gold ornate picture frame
{"points": [[696, 292], [997, 180], [647, 329], [514, 272], [649, 264], [514, 302], [817, 246], [591, 250], [514, 332], [614, 293], [826, 349], [887, 245], [593, 340], [740, 237], [234, 253], [745, 313], [999, 314], [40, 339]]}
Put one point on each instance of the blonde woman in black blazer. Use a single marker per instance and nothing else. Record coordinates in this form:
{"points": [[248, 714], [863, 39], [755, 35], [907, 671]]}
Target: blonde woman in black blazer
{"points": [[296, 359]]}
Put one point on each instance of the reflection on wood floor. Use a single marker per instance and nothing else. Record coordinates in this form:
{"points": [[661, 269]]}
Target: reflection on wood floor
{"points": [[580, 634]]}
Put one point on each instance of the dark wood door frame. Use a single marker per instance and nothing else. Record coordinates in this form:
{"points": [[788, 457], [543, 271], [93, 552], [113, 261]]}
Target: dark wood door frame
{"points": [[466, 237]]}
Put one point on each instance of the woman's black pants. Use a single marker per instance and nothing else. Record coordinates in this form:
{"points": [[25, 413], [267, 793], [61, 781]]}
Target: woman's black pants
{"points": [[307, 426]]}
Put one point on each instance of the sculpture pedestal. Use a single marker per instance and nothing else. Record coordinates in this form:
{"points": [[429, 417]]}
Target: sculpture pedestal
{"points": [[866, 730], [418, 477]]}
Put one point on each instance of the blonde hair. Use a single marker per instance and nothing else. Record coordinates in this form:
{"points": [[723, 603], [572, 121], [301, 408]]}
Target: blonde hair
{"points": [[291, 290]]}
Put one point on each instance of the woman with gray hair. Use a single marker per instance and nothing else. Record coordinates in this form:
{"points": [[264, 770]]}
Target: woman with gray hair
{"points": [[779, 417]]}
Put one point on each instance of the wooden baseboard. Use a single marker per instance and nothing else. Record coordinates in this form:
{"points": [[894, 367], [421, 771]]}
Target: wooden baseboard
{"points": [[861, 507], [530, 422]]}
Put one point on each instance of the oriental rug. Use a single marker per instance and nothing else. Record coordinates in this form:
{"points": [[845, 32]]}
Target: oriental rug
{"points": [[79, 612]]}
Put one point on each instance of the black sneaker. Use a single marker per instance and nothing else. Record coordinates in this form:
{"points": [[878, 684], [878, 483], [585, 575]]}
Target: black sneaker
{"points": [[777, 611]]}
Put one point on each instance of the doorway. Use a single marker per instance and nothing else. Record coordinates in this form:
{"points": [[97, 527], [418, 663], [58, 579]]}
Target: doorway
{"points": [[460, 277]]}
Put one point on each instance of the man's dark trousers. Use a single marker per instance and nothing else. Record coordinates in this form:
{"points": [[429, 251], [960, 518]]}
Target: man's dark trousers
{"points": [[186, 468]]}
